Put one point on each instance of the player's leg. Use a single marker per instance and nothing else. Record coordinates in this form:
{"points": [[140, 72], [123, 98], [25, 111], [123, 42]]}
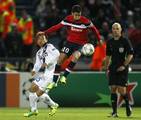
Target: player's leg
{"points": [[65, 53], [35, 92], [123, 91], [112, 79], [33, 103], [32, 100], [75, 51], [45, 97], [114, 100], [53, 105], [75, 56], [61, 59], [33, 96]]}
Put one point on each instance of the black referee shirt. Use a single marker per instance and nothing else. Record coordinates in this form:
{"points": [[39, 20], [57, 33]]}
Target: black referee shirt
{"points": [[118, 50]]}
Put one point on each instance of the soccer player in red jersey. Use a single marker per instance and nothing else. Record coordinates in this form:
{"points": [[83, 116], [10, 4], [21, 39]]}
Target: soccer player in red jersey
{"points": [[78, 28]]}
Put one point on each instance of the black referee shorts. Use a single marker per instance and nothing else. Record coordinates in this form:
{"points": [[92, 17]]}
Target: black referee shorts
{"points": [[118, 78], [70, 47]]}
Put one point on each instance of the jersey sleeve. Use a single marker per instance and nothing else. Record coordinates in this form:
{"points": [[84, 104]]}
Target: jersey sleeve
{"points": [[108, 49], [37, 64], [52, 56], [95, 30], [54, 28], [57, 26], [66, 21], [129, 47]]}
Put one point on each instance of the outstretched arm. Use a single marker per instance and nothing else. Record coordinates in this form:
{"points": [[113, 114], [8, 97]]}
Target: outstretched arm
{"points": [[51, 29], [95, 31]]}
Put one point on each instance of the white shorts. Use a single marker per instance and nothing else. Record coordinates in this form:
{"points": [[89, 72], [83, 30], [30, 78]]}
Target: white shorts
{"points": [[42, 81]]}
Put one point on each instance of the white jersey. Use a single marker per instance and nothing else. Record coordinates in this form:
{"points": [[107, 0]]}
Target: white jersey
{"points": [[47, 54]]}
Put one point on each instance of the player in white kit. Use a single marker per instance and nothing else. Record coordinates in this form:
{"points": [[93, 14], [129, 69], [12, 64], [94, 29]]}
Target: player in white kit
{"points": [[47, 57]]}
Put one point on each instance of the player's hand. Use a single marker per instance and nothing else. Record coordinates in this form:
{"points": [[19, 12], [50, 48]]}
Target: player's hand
{"points": [[121, 68], [100, 43], [33, 73], [107, 73], [40, 33], [44, 65]]}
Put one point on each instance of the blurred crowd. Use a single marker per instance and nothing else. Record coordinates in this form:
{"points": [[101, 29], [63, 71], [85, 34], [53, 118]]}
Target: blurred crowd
{"points": [[102, 13], [16, 33], [17, 30]]}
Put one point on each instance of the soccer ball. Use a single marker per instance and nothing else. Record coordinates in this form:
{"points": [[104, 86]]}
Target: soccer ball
{"points": [[87, 49]]}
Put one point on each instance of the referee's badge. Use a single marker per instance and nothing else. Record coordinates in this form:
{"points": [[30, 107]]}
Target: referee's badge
{"points": [[121, 49]]}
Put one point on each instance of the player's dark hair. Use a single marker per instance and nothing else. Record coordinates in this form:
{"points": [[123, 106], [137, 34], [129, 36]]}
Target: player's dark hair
{"points": [[76, 8]]}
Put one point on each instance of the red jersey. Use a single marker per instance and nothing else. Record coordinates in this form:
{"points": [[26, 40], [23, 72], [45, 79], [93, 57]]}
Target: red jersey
{"points": [[77, 30]]}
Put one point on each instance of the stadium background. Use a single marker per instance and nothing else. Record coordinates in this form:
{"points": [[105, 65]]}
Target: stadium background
{"points": [[20, 20], [86, 88]]}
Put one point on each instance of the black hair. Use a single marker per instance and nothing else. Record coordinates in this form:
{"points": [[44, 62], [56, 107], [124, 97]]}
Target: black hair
{"points": [[76, 8]]}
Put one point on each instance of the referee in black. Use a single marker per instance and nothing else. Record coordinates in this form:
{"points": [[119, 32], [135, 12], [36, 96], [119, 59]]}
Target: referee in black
{"points": [[119, 53]]}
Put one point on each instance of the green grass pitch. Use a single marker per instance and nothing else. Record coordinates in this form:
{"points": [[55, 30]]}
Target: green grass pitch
{"points": [[69, 114]]}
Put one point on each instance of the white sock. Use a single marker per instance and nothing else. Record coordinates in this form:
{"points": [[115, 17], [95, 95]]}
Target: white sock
{"points": [[33, 101], [45, 97]]}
